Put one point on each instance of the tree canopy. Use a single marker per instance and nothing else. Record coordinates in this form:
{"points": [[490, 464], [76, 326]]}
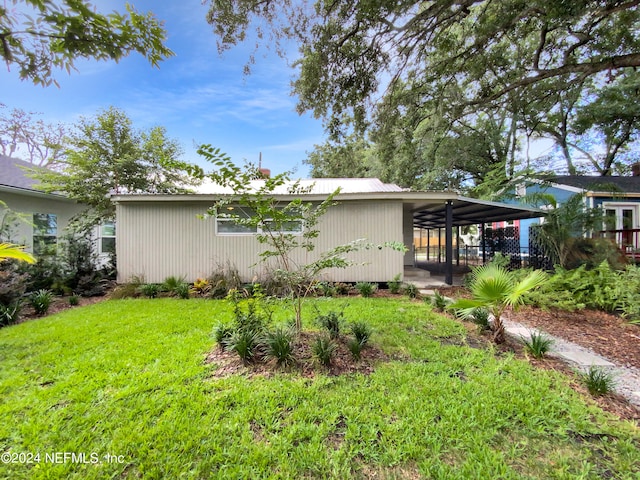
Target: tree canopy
{"points": [[471, 80], [38, 36], [107, 155]]}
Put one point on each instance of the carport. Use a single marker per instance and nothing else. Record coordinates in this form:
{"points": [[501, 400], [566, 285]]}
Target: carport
{"points": [[446, 210]]}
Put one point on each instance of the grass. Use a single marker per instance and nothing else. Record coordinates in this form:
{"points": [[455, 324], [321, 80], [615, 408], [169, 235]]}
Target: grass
{"points": [[128, 378]]}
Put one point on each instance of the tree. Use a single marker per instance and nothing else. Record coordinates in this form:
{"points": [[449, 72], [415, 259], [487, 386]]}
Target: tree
{"points": [[350, 49], [347, 158], [285, 228], [38, 142], [496, 288], [108, 156], [38, 36]]}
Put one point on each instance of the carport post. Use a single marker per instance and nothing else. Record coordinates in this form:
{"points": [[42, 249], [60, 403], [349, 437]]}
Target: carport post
{"points": [[482, 239], [448, 279]]}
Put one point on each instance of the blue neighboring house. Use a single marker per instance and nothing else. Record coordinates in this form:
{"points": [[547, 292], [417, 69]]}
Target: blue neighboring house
{"points": [[618, 196]]}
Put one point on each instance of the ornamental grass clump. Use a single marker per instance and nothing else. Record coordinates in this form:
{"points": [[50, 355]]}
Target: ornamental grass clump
{"points": [[323, 350], [41, 301], [278, 346], [538, 344], [598, 381]]}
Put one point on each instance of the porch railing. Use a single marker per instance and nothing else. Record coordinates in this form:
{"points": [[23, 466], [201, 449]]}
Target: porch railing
{"points": [[628, 240]]}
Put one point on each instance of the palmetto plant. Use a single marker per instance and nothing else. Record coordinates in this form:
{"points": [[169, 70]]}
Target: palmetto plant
{"points": [[496, 289], [9, 250]]}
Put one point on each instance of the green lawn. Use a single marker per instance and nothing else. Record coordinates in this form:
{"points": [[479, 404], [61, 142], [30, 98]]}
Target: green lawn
{"points": [[127, 378]]}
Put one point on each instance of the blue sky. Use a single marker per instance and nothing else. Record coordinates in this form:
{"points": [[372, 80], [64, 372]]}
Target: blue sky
{"points": [[198, 96]]}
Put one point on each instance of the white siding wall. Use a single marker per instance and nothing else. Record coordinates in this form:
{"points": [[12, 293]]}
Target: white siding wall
{"points": [[159, 239]]}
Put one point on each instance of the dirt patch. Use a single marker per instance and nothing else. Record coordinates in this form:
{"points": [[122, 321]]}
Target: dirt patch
{"points": [[342, 362], [58, 304]]}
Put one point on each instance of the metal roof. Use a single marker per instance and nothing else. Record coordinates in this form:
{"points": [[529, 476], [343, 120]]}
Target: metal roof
{"points": [[468, 211], [316, 186]]}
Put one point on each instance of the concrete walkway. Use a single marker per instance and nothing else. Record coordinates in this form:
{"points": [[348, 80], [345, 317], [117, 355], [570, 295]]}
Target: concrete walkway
{"points": [[627, 379]]}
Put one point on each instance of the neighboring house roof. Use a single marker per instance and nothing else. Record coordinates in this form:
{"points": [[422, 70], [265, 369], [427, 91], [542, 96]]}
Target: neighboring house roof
{"points": [[14, 178], [12, 173], [317, 186], [605, 185]]}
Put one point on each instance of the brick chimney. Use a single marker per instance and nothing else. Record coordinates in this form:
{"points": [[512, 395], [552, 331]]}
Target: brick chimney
{"points": [[265, 172]]}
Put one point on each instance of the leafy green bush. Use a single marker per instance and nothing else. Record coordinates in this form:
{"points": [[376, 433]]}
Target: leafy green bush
{"points": [[74, 300], [221, 333], [480, 317], [332, 322], [182, 290], [355, 347], [150, 290], [41, 301], [13, 284], [326, 289], [537, 344], [361, 331], [10, 314], [411, 290], [598, 381], [439, 301], [342, 288], [323, 350], [245, 343], [366, 289], [279, 346], [395, 285], [171, 283]]}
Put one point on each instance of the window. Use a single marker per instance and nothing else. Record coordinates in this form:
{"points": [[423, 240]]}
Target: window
{"points": [[229, 226], [45, 233], [620, 216], [108, 237]]}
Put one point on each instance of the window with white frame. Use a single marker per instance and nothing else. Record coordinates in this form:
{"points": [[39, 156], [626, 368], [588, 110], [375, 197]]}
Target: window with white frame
{"points": [[45, 233], [620, 216], [107, 240]]}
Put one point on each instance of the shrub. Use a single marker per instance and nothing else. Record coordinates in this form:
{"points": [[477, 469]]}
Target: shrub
{"points": [[326, 289], [201, 287], [439, 301], [171, 283], [598, 381], [537, 344], [342, 288], [182, 290], [279, 346], [10, 313], [74, 300], [361, 331], [366, 289], [150, 290], [480, 317], [223, 280], [395, 285], [411, 290], [222, 333], [355, 347], [245, 343], [41, 301], [323, 350], [126, 290], [13, 285], [332, 322]]}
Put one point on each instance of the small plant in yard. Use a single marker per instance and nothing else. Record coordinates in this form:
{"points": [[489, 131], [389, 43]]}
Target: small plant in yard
{"points": [[221, 333], [279, 346], [332, 322], [366, 289], [537, 344], [439, 301], [480, 316], [10, 313], [171, 283], [41, 301], [150, 290], [74, 300], [182, 290], [395, 285], [342, 288], [201, 287], [245, 343], [323, 350], [598, 381], [355, 347], [411, 290], [361, 331]]}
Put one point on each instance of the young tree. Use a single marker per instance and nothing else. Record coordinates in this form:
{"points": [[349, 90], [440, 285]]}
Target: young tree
{"points": [[285, 228], [108, 156], [496, 288], [39, 36]]}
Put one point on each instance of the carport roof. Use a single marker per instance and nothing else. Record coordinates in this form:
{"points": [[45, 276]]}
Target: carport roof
{"points": [[431, 213]]}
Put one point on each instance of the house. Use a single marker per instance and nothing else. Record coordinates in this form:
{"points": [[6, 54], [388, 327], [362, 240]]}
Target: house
{"points": [[161, 235], [617, 196], [45, 215]]}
